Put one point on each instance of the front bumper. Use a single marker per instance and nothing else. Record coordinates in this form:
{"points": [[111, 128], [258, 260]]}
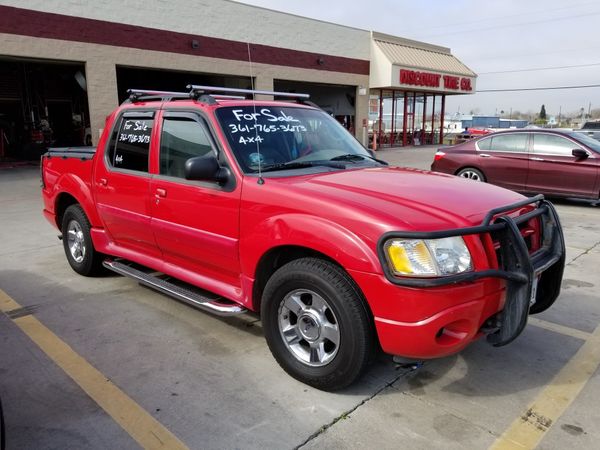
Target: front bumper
{"points": [[532, 282]]}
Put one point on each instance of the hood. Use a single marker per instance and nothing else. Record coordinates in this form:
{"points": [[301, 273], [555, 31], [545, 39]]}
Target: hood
{"points": [[396, 198]]}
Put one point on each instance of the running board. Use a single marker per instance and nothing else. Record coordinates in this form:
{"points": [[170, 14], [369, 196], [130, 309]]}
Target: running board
{"points": [[178, 292]]}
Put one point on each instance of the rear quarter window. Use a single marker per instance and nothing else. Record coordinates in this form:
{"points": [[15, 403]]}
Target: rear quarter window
{"points": [[129, 147], [484, 144]]}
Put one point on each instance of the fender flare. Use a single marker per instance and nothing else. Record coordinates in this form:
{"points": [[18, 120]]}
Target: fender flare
{"points": [[78, 189], [348, 249]]}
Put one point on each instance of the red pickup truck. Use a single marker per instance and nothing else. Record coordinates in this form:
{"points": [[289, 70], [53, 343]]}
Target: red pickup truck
{"points": [[236, 205]]}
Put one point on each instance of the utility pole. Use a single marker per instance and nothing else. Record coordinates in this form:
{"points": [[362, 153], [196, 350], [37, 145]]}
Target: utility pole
{"points": [[590, 110], [559, 119]]}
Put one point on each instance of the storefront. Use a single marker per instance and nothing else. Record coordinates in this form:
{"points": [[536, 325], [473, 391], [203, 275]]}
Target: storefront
{"points": [[68, 65], [409, 84]]}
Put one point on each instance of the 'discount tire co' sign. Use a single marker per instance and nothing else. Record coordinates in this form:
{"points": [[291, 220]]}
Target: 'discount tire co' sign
{"points": [[435, 81]]}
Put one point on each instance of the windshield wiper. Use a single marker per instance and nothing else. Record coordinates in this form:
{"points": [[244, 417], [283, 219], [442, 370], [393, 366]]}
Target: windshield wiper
{"points": [[349, 157], [356, 157], [298, 165]]}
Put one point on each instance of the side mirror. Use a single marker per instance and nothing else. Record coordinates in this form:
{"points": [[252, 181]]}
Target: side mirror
{"points": [[579, 153], [206, 168], [371, 153]]}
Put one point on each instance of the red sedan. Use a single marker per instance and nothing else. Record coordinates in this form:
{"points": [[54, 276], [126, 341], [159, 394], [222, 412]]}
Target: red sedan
{"points": [[553, 162]]}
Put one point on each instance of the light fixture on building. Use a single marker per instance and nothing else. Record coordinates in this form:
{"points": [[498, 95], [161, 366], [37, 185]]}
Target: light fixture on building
{"points": [[195, 43], [320, 61], [362, 90]]}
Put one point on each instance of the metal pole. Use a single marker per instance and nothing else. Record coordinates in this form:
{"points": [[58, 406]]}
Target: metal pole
{"points": [[432, 118], [424, 118], [442, 112], [404, 119], [380, 115], [414, 108], [393, 130]]}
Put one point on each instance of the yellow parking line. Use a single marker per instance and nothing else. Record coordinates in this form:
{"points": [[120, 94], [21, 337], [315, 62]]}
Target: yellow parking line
{"points": [[527, 431], [137, 422], [561, 329]]}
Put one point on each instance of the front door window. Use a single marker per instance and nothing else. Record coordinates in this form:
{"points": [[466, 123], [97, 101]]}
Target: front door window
{"points": [[181, 139]]}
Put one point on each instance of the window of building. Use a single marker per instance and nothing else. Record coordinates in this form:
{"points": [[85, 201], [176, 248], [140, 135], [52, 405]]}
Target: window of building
{"points": [[181, 139]]}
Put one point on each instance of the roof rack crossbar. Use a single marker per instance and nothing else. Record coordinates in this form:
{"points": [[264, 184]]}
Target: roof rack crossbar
{"points": [[137, 94], [196, 89], [228, 97]]}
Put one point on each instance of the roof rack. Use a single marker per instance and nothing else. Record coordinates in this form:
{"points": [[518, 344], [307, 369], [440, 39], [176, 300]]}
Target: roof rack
{"points": [[209, 94], [135, 95], [228, 97], [196, 91]]}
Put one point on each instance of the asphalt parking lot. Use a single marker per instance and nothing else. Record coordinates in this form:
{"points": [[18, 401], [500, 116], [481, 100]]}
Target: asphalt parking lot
{"points": [[101, 363]]}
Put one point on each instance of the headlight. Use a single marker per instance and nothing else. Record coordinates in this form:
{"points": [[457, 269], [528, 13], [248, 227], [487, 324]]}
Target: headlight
{"points": [[427, 257]]}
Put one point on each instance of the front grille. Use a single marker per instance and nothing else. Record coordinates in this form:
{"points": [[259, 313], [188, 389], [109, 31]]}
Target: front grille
{"points": [[517, 232], [530, 231]]}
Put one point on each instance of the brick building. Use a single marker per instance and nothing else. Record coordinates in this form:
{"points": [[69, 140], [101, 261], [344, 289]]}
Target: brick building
{"points": [[65, 65]]}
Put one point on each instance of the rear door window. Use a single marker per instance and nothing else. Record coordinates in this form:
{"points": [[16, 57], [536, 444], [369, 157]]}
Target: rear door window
{"points": [[129, 146], [509, 143], [549, 144]]}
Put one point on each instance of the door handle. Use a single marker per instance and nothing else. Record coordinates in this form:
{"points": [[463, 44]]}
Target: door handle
{"points": [[103, 181], [161, 193], [533, 158], [485, 155]]}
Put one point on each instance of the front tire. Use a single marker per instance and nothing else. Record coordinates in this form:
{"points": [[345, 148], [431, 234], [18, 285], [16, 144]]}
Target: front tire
{"points": [[471, 173], [316, 323], [77, 242]]}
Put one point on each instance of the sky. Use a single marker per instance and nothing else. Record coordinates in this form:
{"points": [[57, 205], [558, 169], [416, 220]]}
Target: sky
{"points": [[490, 36]]}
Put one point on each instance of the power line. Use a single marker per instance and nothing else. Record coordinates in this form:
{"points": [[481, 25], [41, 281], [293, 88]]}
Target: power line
{"points": [[521, 14], [513, 25], [540, 68], [534, 53], [541, 88]]}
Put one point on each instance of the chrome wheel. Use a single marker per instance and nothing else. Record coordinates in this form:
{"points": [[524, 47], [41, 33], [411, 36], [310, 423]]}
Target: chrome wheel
{"points": [[76, 241], [309, 327], [471, 174]]}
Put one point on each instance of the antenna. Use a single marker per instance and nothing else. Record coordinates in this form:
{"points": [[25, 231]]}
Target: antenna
{"points": [[260, 178]]}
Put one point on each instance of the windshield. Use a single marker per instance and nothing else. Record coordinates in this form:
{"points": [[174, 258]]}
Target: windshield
{"points": [[587, 140], [277, 135]]}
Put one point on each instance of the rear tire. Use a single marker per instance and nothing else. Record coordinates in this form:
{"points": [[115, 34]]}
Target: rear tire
{"points": [[77, 242], [471, 173], [316, 324]]}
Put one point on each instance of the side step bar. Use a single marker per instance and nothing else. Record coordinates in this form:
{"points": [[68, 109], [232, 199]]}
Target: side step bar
{"points": [[180, 293]]}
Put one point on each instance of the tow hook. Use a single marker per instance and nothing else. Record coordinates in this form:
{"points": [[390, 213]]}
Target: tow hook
{"points": [[407, 363], [491, 325]]}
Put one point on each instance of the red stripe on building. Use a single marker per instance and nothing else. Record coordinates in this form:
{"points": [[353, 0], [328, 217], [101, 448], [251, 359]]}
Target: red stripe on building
{"points": [[27, 22]]}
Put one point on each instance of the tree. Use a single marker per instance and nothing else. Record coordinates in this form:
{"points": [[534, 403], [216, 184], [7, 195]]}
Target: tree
{"points": [[543, 113]]}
